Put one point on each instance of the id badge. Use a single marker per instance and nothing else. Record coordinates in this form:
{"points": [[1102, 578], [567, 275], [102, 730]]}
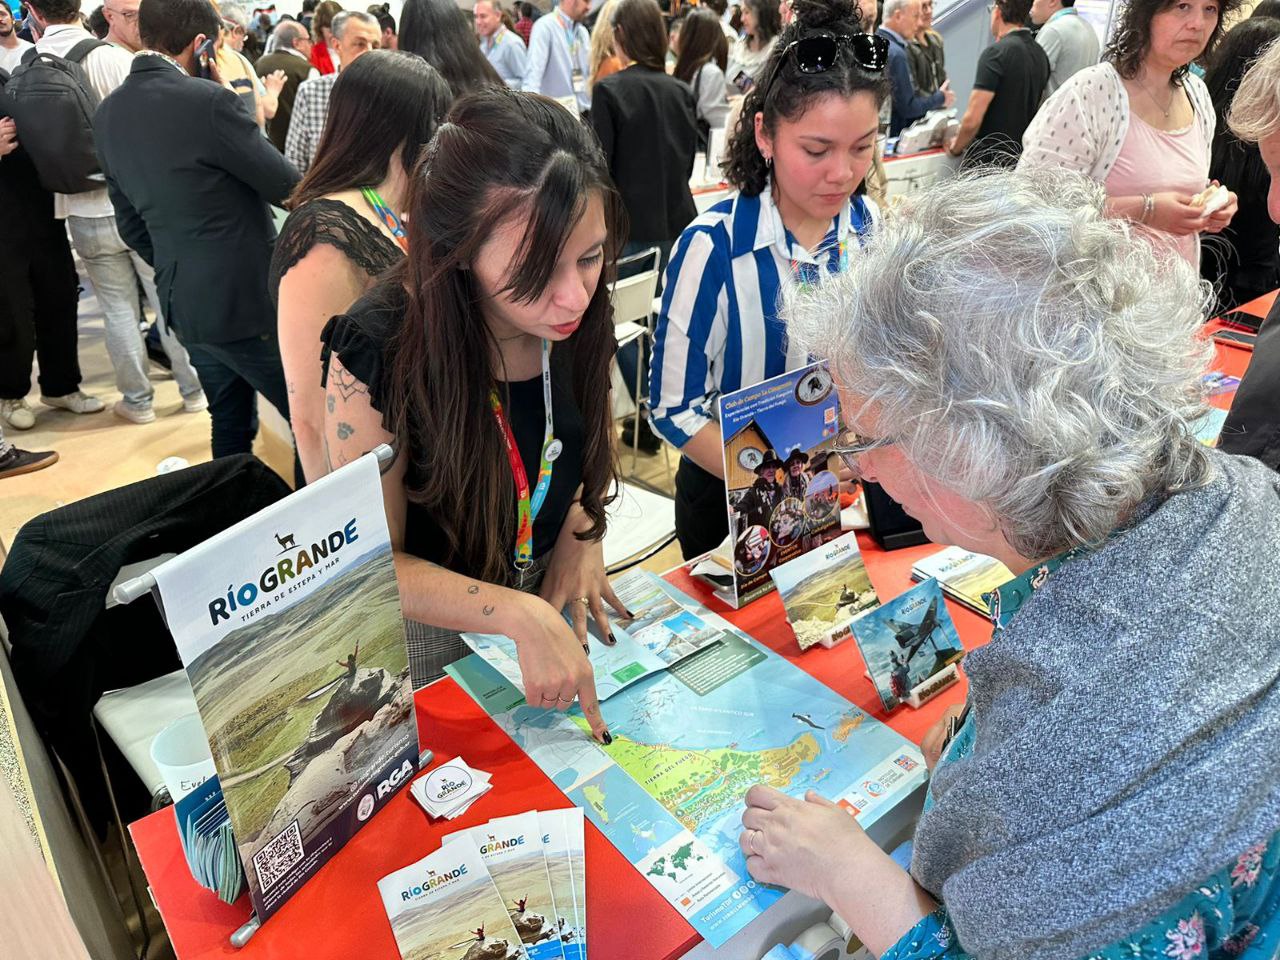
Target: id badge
{"points": [[579, 83]]}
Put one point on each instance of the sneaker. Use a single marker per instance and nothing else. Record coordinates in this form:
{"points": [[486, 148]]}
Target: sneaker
{"points": [[77, 402], [17, 462], [17, 414], [195, 403], [134, 414]]}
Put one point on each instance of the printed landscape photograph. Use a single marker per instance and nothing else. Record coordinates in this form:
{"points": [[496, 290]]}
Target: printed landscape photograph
{"points": [[304, 706]]}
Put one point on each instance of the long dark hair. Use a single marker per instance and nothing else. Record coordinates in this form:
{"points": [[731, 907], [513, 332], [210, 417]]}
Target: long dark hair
{"points": [[638, 29], [768, 20], [1236, 163], [501, 154], [326, 10], [437, 31], [1131, 41], [701, 40], [385, 101], [784, 92]]}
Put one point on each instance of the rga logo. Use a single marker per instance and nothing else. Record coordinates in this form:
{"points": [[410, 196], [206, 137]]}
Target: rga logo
{"points": [[397, 777], [365, 808]]}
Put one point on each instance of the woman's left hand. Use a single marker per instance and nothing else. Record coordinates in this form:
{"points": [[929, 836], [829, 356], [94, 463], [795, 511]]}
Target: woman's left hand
{"points": [[577, 573], [1220, 219], [800, 844]]}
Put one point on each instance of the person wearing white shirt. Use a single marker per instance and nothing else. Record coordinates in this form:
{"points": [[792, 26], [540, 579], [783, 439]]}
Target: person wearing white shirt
{"points": [[113, 268], [560, 55], [1069, 40], [503, 48], [122, 21], [12, 46]]}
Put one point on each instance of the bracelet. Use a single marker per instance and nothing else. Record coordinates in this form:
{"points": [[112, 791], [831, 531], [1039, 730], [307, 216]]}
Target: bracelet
{"points": [[1148, 207]]}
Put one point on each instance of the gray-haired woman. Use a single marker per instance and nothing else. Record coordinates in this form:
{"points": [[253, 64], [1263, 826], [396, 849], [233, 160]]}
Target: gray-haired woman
{"points": [[1019, 375]]}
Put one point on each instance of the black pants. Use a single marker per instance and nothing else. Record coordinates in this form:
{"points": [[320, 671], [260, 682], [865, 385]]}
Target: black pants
{"points": [[38, 303], [702, 512], [232, 374]]}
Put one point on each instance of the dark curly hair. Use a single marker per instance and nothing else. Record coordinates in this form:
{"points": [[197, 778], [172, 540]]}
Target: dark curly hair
{"points": [[783, 91], [1131, 41]]}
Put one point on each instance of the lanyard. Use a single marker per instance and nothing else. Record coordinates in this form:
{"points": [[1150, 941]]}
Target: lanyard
{"points": [[393, 223], [806, 273], [530, 507], [570, 37]]}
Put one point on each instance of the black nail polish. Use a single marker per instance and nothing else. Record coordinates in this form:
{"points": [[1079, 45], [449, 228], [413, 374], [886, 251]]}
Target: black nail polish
{"points": [[607, 737], [612, 640], [586, 650], [630, 615]]}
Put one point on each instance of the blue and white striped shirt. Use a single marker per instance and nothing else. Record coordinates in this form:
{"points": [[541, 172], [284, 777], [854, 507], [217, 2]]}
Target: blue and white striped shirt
{"points": [[719, 329]]}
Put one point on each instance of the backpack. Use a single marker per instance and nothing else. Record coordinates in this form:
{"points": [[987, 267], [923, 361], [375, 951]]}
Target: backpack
{"points": [[51, 100]]}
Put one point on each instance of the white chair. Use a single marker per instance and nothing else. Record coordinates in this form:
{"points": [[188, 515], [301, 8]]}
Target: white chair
{"points": [[633, 300]]}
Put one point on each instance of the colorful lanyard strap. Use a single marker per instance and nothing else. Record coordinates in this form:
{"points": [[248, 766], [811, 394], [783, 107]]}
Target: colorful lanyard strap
{"points": [[388, 216], [529, 507], [570, 38]]}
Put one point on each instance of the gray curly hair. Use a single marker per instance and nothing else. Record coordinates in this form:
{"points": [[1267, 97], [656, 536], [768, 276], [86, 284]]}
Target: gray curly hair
{"points": [[1028, 353]]}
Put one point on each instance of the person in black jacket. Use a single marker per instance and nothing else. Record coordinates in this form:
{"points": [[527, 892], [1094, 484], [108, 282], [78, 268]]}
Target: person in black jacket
{"points": [[190, 177], [646, 122]]}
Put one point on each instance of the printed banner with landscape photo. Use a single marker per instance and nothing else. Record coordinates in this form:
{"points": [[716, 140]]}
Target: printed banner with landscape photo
{"points": [[289, 626]]}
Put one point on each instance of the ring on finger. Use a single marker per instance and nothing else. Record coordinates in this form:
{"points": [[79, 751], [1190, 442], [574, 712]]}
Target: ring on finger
{"points": [[585, 601], [563, 700], [751, 842], [546, 699]]}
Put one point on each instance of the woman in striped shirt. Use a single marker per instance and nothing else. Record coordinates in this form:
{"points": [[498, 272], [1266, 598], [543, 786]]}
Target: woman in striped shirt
{"points": [[802, 147]]}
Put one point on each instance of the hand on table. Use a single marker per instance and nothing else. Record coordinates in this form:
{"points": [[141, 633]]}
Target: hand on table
{"points": [[805, 845], [8, 136], [554, 665], [576, 576]]}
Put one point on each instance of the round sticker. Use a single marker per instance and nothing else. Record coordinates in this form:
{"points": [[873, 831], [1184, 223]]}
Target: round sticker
{"points": [[554, 449]]}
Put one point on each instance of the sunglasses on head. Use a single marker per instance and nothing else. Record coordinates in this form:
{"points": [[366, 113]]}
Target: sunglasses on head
{"points": [[817, 53]]}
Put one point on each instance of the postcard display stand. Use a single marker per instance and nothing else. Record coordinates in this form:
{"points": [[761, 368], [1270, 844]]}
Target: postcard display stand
{"points": [[782, 499], [290, 628]]}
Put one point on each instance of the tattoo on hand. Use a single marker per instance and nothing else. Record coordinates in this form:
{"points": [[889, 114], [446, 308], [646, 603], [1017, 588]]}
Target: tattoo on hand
{"points": [[473, 589], [345, 430], [330, 402], [488, 610]]}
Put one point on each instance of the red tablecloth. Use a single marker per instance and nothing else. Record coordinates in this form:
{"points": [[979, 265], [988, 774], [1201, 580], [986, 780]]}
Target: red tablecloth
{"points": [[338, 913]]}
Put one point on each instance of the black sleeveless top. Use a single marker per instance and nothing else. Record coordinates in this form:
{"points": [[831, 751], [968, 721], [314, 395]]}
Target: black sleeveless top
{"points": [[362, 339], [334, 223]]}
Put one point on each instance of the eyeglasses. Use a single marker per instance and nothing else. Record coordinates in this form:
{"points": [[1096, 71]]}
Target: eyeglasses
{"points": [[850, 445], [817, 53]]}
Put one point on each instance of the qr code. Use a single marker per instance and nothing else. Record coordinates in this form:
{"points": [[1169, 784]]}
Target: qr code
{"points": [[278, 857]]}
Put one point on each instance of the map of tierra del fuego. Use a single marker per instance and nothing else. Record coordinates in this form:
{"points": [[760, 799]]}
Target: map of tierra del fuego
{"points": [[688, 741]]}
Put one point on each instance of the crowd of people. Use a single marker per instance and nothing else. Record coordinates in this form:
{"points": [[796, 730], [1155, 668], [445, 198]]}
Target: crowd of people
{"points": [[1016, 351]]}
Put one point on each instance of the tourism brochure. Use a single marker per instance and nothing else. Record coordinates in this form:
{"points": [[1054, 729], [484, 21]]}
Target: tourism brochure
{"points": [[965, 576], [557, 839], [906, 641], [782, 499], [688, 742], [825, 590], [664, 633], [446, 907], [208, 842], [1216, 383], [513, 851], [290, 629]]}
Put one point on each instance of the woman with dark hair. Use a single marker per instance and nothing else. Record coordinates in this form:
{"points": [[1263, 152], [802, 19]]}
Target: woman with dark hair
{"points": [[701, 58], [524, 23], [322, 53], [484, 359], [438, 32], [1245, 262], [344, 227], [1142, 124], [761, 24], [645, 122], [799, 152]]}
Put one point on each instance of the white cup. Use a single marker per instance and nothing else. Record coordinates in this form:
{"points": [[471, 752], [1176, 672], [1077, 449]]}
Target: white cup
{"points": [[181, 752]]}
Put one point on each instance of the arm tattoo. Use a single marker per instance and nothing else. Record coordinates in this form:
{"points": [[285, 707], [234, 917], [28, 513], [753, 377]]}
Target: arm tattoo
{"points": [[330, 402], [487, 610], [347, 383], [473, 589], [345, 430]]}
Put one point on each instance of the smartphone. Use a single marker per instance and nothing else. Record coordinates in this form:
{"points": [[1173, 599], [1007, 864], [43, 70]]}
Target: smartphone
{"points": [[1239, 320], [204, 54], [743, 81], [1236, 338]]}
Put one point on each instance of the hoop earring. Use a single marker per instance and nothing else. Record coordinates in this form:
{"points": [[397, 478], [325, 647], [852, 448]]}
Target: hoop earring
{"points": [[768, 163]]}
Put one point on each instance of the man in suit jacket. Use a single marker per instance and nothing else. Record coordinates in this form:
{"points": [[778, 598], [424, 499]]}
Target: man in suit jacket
{"points": [[190, 177], [901, 22], [292, 54]]}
